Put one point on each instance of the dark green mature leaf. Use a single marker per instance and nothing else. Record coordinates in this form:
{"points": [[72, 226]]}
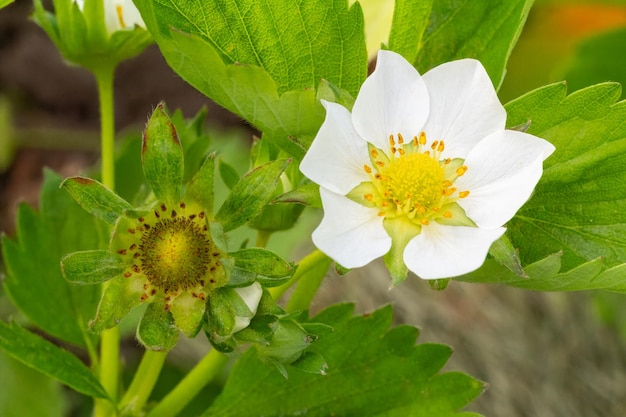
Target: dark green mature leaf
{"points": [[372, 371], [410, 18], [96, 199], [162, 157], [34, 281], [250, 194], [579, 206], [486, 30], [247, 64], [46, 357]]}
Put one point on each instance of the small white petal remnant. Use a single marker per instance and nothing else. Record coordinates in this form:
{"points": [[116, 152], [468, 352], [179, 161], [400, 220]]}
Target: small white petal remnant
{"points": [[118, 14], [427, 156], [251, 296]]}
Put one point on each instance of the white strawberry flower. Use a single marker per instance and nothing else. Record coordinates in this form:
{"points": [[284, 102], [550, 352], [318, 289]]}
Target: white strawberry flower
{"points": [[119, 14], [422, 171]]}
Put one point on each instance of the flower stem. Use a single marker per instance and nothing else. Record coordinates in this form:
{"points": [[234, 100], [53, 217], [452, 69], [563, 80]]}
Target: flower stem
{"points": [[143, 382], [109, 339], [190, 386], [310, 273]]}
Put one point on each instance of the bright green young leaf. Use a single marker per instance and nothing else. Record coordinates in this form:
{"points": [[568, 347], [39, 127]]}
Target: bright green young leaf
{"points": [[201, 186], [96, 199], [34, 280], [372, 371], [229, 175], [307, 194], [270, 269], [4, 3], [486, 30], [410, 18], [234, 53], [162, 157], [250, 194], [46, 357], [91, 266]]}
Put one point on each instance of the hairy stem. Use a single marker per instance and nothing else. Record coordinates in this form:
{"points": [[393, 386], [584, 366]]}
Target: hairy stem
{"points": [[143, 382]]}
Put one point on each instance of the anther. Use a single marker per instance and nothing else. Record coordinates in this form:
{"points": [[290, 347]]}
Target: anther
{"points": [[441, 146], [425, 222], [131, 231], [374, 153], [391, 141], [367, 169], [447, 183], [463, 194], [422, 139], [448, 192], [173, 213], [380, 163], [461, 170], [122, 251], [434, 145], [368, 197], [182, 205], [163, 208], [447, 215], [400, 139]]}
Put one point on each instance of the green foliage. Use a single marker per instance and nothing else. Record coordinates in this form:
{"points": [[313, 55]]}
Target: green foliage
{"points": [[250, 194], [92, 266], [485, 30], [4, 3], [34, 281], [156, 330], [46, 357], [372, 371], [162, 157], [241, 57], [18, 383], [410, 18], [96, 199], [201, 187], [266, 266]]}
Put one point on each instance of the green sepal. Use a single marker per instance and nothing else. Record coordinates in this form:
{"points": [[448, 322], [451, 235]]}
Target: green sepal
{"points": [[250, 194], [270, 269], [357, 194], [156, 330], [119, 297], [162, 157], [229, 175], [46, 357], [96, 199], [259, 331], [438, 284], [505, 254], [311, 363], [401, 233], [201, 187], [288, 343], [220, 321], [458, 218], [307, 194], [330, 92], [240, 277], [277, 217], [91, 266], [188, 312]]}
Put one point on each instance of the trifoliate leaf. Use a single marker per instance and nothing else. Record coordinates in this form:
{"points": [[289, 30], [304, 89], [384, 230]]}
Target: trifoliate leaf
{"points": [[372, 371], [235, 54], [486, 30], [162, 157], [407, 28], [34, 280], [46, 357]]}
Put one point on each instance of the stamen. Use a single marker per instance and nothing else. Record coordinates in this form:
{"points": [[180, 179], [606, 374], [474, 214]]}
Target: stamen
{"points": [[447, 215], [367, 169], [422, 138], [425, 222], [368, 197], [434, 145], [374, 153], [463, 194], [449, 191], [441, 147], [461, 170], [400, 139], [391, 141]]}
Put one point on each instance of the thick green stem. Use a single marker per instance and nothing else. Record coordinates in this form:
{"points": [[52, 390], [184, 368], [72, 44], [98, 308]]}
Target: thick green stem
{"points": [[109, 339], [190, 386], [143, 382], [310, 273]]}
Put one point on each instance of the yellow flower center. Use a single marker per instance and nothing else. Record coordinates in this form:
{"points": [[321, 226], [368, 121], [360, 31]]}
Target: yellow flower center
{"points": [[413, 181]]}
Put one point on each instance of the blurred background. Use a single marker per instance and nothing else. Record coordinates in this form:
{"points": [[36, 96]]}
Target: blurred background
{"points": [[542, 354]]}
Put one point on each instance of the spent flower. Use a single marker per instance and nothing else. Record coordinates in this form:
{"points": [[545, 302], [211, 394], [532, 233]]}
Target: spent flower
{"points": [[422, 171]]}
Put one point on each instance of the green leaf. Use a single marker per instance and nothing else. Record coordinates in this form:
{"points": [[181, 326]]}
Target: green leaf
{"points": [[53, 361], [18, 383], [96, 199], [4, 3], [228, 174], [307, 194], [410, 18], [34, 280], [91, 266], [270, 269], [235, 53], [579, 206], [162, 157], [486, 30], [250, 194], [372, 371]]}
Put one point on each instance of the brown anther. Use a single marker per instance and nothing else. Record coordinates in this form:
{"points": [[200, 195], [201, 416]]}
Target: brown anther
{"points": [[434, 145], [201, 296], [147, 226], [145, 286], [380, 163], [173, 213], [391, 141], [400, 139], [153, 291], [122, 251], [414, 140], [394, 149], [212, 281], [131, 231], [215, 254], [401, 151], [133, 246], [127, 274], [156, 213], [447, 161], [192, 216], [136, 255], [135, 269], [378, 176], [140, 219], [182, 205], [201, 214], [143, 297], [163, 208]]}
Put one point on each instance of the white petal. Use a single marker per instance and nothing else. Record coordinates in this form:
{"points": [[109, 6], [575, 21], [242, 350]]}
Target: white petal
{"points": [[392, 100], [251, 295], [336, 157], [351, 234], [464, 107], [131, 15], [503, 170], [449, 251]]}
